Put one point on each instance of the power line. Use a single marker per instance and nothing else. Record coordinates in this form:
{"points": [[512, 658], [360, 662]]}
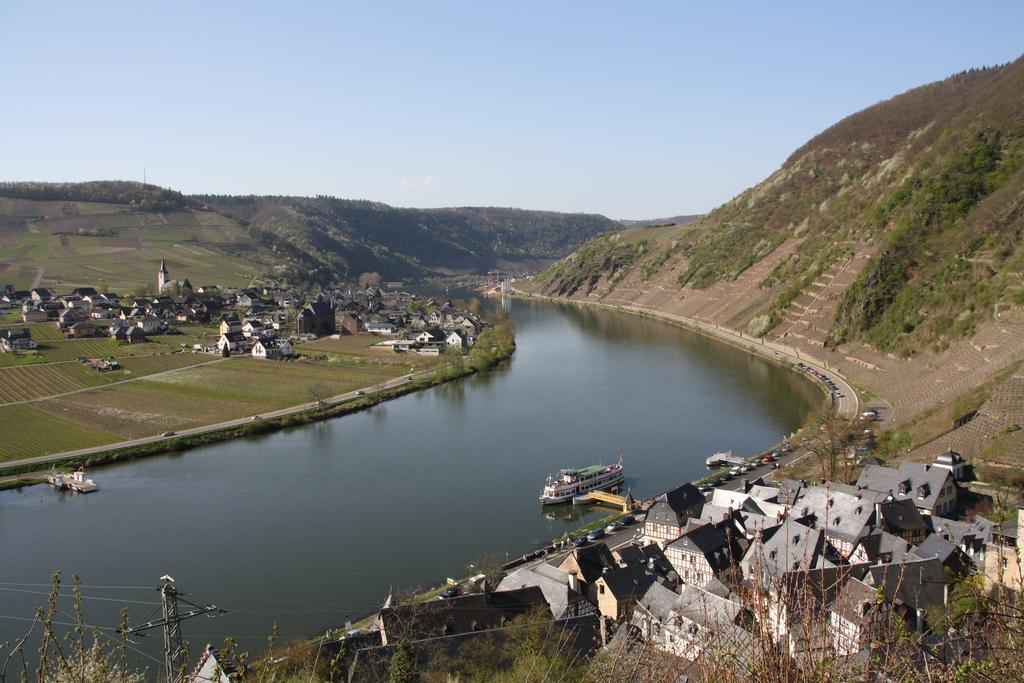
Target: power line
{"points": [[58, 623], [83, 597]]}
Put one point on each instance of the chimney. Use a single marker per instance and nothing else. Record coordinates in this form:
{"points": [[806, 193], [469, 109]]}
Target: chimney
{"points": [[746, 486], [574, 582]]}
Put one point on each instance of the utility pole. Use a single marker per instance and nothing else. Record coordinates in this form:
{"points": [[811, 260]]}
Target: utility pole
{"points": [[175, 659]]}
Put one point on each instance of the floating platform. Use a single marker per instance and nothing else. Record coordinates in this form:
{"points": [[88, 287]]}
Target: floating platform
{"points": [[76, 481], [725, 458]]}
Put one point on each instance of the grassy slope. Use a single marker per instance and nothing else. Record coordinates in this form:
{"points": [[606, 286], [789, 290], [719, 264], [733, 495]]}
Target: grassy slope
{"points": [[932, 177]]}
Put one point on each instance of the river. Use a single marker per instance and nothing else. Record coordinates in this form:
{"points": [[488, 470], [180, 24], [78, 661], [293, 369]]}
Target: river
{"points": [[310, 526]]}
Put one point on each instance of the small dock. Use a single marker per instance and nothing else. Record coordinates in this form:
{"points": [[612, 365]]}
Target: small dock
{"points": [[76, 481], [625, 503], [724, 458]]}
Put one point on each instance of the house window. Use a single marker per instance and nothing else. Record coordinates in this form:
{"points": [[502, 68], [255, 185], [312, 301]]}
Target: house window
{"points": [[600, 588]]}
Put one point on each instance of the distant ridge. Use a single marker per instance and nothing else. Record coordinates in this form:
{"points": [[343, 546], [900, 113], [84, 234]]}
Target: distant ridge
{"points": [[109, 230], [671, 220]]}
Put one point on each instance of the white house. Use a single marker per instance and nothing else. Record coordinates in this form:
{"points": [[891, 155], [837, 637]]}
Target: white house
{"points": [[272, 349], [149, 324], [381, 328], [252, 328], [232, 341], [455, 340]]}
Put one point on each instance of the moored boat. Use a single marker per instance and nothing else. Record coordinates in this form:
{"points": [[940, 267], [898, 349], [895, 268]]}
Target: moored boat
{"points": [[569, 484]]}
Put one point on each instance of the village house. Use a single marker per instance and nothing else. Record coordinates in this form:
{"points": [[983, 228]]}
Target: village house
{"points": [[17, 339], [252, 328], [682, 623], [618, 589], [666, 519], [122, 331], [232, 342], [229, 322], [40, 294], [856, 617], [381, 327], [150, 324], [565, 601], [34, 315], [80, 330], [932, 489], [272, 349], [901, 518], [349, 323], [454, 340], [704, 552]]}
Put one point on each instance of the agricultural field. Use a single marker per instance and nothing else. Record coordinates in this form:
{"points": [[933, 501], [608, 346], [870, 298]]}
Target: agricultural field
{"points": [[362, 346], [192, 397], [29, 431], [27, 382]]}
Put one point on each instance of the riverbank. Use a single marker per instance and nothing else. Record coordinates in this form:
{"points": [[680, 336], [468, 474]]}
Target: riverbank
{"points": [[848, 405], [335, 406]]}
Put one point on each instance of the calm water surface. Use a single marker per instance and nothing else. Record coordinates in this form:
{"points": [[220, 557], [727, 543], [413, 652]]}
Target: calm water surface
{"points": [[310, 526]]}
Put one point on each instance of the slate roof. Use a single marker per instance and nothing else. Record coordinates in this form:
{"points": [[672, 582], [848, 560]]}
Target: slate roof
{"points": [[674, 506], [855, 601], [842, 514], [629, 581], [791, 546], [881, 544], [709, 541], [592, 561], [318, 308], [915, 475], [901, 516], [553, 583], [918, 583], [705, 608], [937, 547]]}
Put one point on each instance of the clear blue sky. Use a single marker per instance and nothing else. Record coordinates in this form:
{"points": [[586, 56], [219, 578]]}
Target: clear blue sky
{"points": [[629, 109]]}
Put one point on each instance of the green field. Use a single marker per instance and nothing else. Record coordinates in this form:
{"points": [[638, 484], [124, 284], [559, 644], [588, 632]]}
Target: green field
{"points": [[28, 431], [189, 397]]}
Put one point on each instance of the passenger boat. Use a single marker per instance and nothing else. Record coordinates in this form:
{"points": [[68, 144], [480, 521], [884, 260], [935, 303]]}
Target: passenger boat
{"points": [[569, 483]]}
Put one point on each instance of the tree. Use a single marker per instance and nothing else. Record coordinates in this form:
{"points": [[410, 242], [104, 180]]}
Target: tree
{"points": [[829, 443], [318, 393], [404, 668], [474, 306]]}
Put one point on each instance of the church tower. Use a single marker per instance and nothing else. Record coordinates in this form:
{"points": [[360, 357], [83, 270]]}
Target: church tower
{"points": [[161, 276]]}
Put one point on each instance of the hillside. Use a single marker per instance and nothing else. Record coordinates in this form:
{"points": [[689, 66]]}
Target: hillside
{"points": [[889, 244], [117, 232]]}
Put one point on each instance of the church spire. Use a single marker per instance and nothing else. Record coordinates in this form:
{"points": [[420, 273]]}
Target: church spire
{"points": [[161, 276]]}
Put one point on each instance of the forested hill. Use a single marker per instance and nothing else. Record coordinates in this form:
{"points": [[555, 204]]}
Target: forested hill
{"points": [[116, 231], [358, 236], [900, 227]]}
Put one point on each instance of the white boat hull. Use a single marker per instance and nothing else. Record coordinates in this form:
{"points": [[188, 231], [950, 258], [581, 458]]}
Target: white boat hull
{"points": [[571, 492]]}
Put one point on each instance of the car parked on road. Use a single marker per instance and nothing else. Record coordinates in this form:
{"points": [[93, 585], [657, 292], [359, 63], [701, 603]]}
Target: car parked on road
{"points": [[595, 534], [578, 542]]}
